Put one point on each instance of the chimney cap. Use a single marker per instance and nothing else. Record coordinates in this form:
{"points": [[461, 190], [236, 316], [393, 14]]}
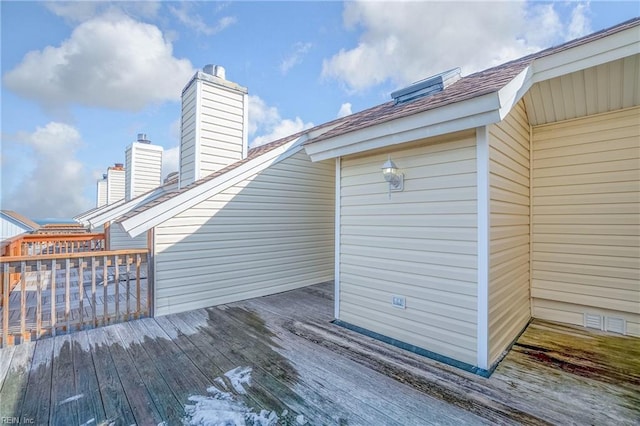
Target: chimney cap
{"points": [[215, 70], [142, 138]]}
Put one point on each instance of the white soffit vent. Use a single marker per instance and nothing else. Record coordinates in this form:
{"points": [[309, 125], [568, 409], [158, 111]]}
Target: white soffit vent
{"points": [[428, 86], [593, 321], [615, 325]]}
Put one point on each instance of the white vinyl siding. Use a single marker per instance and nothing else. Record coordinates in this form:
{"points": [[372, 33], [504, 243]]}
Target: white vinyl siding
{"points": [[509, 306], [143, 169], [115, 185], [586, 218], [188, 135], [120, 240], [11, 228], [271, 233], [221, 128], [101, 193], [420, 243]]}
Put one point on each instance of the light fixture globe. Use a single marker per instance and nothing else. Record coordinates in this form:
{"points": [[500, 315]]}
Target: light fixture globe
{"points": [[392, 176], [389, 170]]}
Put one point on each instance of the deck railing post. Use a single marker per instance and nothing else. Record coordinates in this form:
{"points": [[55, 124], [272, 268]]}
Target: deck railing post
{"points": [[67, 297], [39, 275], [105, 283], [81, 292], [116, 279], [23, 301], [54, 301], [94, 316], [5, 305], [138, 305]]}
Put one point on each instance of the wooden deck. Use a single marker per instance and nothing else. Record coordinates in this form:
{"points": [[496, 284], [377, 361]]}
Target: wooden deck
{"points": [[279, 360]]}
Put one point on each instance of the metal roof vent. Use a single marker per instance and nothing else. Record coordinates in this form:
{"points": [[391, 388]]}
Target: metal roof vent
{"points": [[215, 70], [426, 87], [142, 138]]}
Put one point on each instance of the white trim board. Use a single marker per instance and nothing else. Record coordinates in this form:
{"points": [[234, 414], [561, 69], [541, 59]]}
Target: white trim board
{"points": [[484, 222], [336, 278], [135, 225]]}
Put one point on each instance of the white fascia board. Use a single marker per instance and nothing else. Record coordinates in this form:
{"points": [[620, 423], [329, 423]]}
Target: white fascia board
{"points": [[513, 91], [85, 218], [616, 46], [122, 209], [450, 118], [146, 220]]}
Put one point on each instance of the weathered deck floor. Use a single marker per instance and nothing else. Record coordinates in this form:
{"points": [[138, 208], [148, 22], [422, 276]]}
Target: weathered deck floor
{"points": [[280, 356]]}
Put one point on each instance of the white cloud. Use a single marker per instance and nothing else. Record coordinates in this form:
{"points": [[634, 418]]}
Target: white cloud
{"points": [[580, 24], [170, 161], [296, 57], [345, 109], [111, 61], [265, 122], [196, 23], [55, 185], [408, 41]]}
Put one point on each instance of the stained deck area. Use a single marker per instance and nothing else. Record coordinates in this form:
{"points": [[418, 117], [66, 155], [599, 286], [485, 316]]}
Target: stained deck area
{"points": [[279, 357]]}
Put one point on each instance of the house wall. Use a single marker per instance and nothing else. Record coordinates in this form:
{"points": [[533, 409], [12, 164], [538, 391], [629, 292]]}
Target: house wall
{"points": [[143, 168], [586, 219], [9, 228], [115, 185], [270, 233], [188, 135], [101, 193], [221, 134], [509, 306], [120, 240], [214, 126], [420, 243]]}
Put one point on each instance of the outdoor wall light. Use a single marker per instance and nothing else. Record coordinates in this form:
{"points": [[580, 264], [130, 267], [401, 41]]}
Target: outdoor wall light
{"points": [[391, 175]]}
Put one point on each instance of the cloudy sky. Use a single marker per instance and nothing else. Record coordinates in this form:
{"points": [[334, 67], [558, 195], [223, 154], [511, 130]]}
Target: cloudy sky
{"points": [[81, 79]]}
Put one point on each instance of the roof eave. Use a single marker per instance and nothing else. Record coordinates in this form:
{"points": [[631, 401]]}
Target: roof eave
{"points": [[122, 209], [463, 115]]}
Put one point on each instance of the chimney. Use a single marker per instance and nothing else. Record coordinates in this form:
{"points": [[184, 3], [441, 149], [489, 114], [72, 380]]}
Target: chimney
{"points": [[115, 183], [214, 124], [143, 167], [101, 189]]}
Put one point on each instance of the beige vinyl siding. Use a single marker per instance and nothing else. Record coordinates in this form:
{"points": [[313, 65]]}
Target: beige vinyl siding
{"points": [[586, 218], [120, 240], [420, 243], [221, 135], [509, 306], [188, 135], [271, 233]]}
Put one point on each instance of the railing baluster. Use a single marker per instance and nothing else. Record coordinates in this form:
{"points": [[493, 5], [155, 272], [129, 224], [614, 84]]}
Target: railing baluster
{"points": [[67, 291], [128, 261], [93, 291], [150, 279], [54, 301], [81, 291], [138, 310], [117, 287], [105, 283], [5, 306], [39, 275], [23, 300]]}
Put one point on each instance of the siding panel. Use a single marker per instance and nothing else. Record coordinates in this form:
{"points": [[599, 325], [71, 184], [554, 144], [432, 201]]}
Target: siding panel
{"points": [[586, 250], [270, 233], [509, 308], [419, 243]]}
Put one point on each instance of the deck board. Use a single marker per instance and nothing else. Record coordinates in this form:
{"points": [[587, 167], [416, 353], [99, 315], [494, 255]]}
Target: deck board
{"points": [[305, 368]]}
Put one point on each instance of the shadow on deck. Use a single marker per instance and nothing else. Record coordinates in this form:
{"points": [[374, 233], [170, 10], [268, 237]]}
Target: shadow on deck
{"points": [[279, 360]]}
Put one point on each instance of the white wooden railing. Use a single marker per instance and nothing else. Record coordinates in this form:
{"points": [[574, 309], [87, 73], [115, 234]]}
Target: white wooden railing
{"points": [[49, 294]]}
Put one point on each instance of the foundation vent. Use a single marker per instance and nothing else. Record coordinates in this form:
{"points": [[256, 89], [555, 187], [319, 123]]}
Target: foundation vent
{"points": [[615, 325], [593, 321]]}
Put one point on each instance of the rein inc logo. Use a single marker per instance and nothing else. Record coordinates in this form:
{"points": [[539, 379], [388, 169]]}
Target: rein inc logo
{"points": [[17, 421]]}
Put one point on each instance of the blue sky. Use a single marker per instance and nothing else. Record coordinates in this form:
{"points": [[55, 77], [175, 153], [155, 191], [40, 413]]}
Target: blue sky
{"points": [[81, 79]]}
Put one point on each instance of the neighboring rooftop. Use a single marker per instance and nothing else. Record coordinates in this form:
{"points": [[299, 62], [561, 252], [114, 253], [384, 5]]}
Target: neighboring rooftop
{"points": [[21, 219]]}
